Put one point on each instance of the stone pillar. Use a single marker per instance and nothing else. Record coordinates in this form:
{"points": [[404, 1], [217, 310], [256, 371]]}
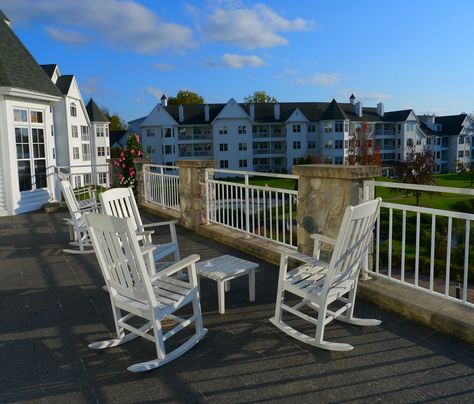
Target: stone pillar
{"points": [[324, 191], [192, 191], [139, 169]]}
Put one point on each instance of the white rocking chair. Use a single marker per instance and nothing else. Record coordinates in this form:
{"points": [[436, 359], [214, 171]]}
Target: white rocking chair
{"points": [[77, 226], [120, 202], [319, 284], [135, 295]]}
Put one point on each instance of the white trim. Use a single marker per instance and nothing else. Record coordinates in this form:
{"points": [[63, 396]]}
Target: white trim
{"points": [[20, 92]]}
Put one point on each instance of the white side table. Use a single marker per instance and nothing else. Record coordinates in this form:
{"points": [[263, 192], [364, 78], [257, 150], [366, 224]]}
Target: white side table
{"points": [[225, 268]]}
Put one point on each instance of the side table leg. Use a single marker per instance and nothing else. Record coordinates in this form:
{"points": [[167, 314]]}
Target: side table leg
{"points": [[227, 286], [221, 296], [252, 285]]}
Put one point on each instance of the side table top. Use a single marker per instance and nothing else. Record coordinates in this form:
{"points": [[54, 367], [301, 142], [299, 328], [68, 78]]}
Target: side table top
{"points": [[224, 266]]}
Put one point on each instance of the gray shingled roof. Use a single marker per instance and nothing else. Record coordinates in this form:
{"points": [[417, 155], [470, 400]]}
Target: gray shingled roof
{"points": [[49, 69], [264, 112], [451, 125], [333, 111], [95, 113], [64, 83], [18, 68]]}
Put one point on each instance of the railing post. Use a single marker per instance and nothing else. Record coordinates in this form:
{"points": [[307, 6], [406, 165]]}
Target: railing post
{"points": [[324, 191], [192, 191], [247, 207], [162, 186], [207, 186], [369, 194]]}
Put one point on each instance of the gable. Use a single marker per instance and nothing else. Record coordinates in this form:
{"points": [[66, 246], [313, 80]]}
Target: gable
{"points": [[297, 116], [232, 110], [411, 116], [159, 117]]}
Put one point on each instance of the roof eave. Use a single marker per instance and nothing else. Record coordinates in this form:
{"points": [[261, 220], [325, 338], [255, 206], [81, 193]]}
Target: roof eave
{"points": [[21, 92]]}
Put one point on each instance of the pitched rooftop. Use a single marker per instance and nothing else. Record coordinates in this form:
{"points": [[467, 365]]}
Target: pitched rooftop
{"points": [[95, 113], [18, 68]]}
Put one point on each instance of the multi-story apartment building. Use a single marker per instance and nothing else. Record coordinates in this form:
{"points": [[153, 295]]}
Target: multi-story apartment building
{"points": [[26, 127], [450, 140], [100, 143], [274, 137]]}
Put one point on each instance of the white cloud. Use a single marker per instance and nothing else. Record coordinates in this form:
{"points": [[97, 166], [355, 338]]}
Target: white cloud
{"points": [[66, 35], [163, 66], [240, 61], [258, 26], [125, 25], [155, 92], [321, 79], [375, 97], [289, 71]]}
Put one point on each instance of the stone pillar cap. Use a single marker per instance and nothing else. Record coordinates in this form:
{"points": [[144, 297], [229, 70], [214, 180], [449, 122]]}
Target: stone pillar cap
{"points": [[337, 171], [196, 163]]}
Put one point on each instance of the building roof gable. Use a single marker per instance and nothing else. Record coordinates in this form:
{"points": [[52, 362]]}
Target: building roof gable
{"points": [[333, 112]]}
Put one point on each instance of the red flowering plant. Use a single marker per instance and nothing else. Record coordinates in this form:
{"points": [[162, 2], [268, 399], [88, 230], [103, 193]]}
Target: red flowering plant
{"points": [[126, 162]]}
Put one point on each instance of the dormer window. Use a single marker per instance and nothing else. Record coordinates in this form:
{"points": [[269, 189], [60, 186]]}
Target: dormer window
{"points": [[73, 109]]}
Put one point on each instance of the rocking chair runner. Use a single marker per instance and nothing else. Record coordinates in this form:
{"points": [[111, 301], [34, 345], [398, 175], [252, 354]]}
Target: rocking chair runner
{"points": [[120, 202], [319, 284], [77, 226], [135, 295]]}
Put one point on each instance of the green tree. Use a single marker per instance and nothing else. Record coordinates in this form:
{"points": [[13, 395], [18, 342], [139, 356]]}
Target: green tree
{"points": [[116, 121], [186, 97], [417, 169], [260, 97]]}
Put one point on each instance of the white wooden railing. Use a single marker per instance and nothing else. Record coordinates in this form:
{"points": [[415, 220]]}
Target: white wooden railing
{"points": [[425, 248], [262, 211], [162, 185]]}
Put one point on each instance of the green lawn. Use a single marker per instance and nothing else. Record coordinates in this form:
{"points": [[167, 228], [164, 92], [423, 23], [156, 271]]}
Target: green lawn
{"points": [[284, 183], [437, 200]]}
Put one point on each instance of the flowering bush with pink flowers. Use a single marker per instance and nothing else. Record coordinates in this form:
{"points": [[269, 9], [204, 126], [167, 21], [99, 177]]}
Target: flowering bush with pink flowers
{"points": [[125, 163]]}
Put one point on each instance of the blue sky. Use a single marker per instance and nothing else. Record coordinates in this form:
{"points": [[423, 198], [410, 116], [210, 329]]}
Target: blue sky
{"points": [[408, 54]]}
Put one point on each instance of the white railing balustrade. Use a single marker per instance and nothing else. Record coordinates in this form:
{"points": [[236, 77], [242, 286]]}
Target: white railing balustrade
{"points": [[425, 248], [162, 185], [262, 211]]}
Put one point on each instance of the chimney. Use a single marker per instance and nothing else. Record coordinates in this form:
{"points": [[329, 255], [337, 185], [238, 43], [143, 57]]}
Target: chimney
{"points": [[252, 111], [380, 109], [430, 121], [164, 101], [181, 113], [276, 111], [358, 108], [206, 112], [352, 99]]}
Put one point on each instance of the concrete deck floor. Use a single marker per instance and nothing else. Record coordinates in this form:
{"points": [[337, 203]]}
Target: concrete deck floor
{"points": [[52, 306]]}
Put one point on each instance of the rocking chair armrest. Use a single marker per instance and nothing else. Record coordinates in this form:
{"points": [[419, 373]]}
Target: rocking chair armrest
{"points": [[176, 267], [318, 240], [167, 223], [323, 239], [144, 233], [300, 256]]}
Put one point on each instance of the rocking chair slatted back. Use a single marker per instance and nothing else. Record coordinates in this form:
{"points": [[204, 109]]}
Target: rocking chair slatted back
{"points": [[71, 201], [351, 244], [120, 257]]}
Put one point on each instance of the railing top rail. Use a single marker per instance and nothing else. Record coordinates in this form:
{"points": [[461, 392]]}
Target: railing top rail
{"points": [[420, 187], [256, 187], [161, 175], [162, 166], [254, 173], [430, 211]]}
